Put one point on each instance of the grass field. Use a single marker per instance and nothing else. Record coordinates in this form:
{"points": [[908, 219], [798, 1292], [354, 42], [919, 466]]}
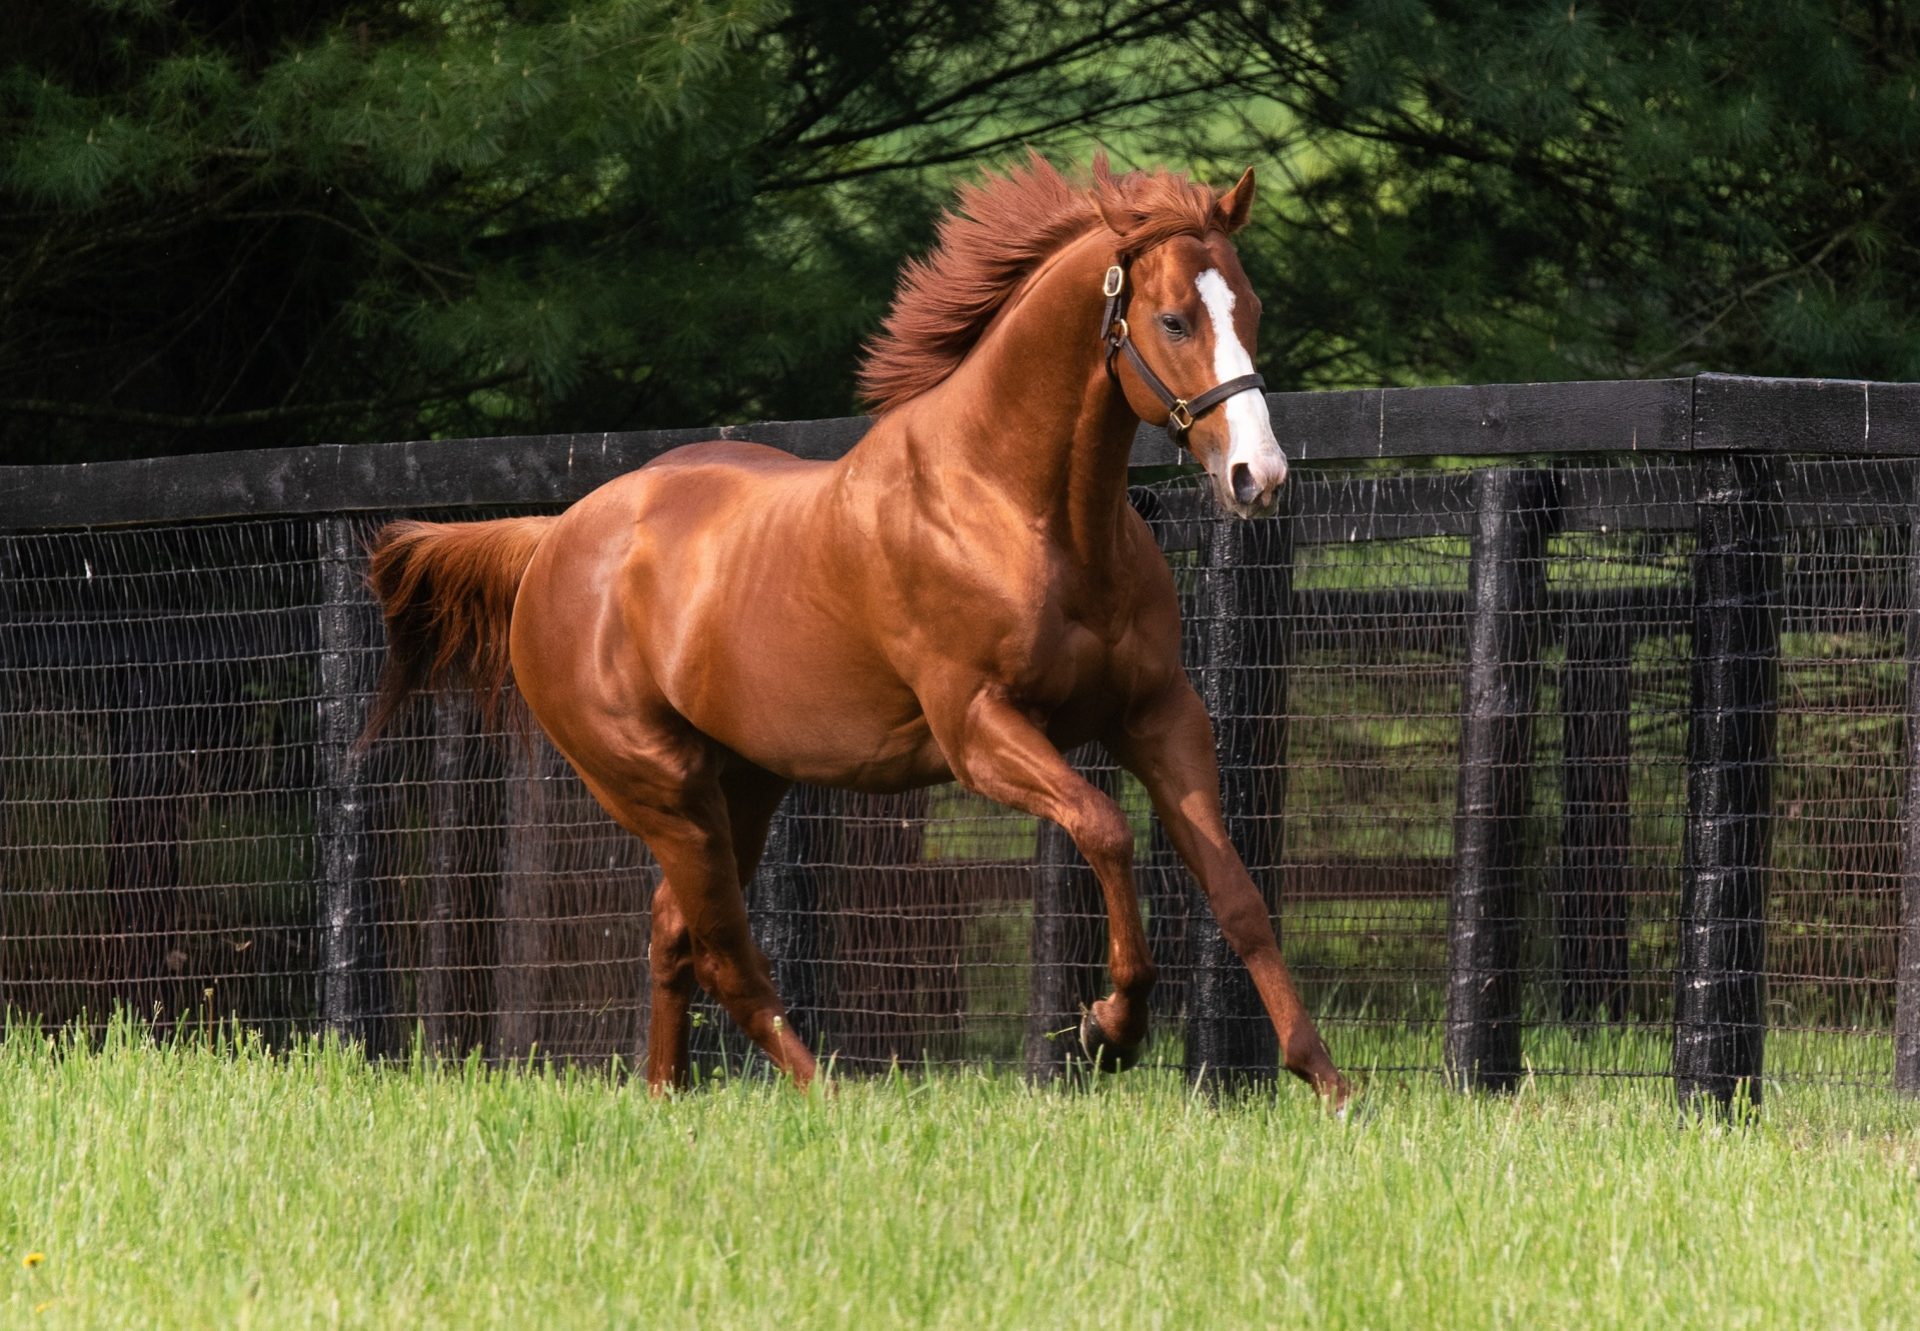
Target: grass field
{"points": [[189, 1186]]}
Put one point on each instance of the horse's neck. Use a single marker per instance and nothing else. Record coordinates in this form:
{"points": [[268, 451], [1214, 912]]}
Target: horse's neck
{"points": [[1032, 412]]}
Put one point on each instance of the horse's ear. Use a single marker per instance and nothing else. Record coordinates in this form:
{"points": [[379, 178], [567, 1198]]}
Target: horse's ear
{"points": [[1236, 203], [1120, 219]]}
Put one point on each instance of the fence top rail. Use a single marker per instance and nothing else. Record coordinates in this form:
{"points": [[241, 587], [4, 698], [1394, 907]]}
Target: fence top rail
{"points": [[1708, 412]]}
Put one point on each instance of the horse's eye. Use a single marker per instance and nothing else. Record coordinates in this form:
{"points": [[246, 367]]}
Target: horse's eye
{"points": [[1175, 326]]}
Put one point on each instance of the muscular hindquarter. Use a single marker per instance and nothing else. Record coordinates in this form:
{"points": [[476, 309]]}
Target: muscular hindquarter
{"points": [[698, 593]]}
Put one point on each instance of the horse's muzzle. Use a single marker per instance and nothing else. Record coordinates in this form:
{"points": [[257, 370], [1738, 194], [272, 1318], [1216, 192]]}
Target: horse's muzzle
{"points": [[1251, 486]]}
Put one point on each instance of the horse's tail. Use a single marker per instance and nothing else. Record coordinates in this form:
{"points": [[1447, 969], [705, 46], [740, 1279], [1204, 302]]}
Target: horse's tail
{"points": [[447, 591]]}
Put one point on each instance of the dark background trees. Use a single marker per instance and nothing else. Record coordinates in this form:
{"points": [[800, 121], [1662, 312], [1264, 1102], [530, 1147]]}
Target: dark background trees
{"points": [[1501, 191], [253, 223], [233, 224]]}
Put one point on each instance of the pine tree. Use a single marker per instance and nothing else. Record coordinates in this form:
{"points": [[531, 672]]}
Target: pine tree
{"points": [[348, 221], [226, 226], [1508, 191]]}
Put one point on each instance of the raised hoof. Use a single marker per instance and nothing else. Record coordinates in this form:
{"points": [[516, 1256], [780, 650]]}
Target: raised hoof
{"points": [[1104, 1054]]}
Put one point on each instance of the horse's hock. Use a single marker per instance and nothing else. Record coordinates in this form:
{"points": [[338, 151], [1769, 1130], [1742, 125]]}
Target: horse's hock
{"points": [[1565, 727]]}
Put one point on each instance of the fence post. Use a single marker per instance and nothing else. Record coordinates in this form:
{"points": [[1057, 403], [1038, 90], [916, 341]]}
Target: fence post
{"points": [[1514, 510], [450, 989], [1906, 1013], [521, 920], [353, 1001], [1595, 700], [1719, 1028], [1162, 877], [1067, 963], [786, 914], [14, 657], [1249, 591]]}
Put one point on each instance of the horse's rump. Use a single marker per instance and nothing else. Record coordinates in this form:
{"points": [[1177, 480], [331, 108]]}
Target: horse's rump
{"points": [[447, 591]]}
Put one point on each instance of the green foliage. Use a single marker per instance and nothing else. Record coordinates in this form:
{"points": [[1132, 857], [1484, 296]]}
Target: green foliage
{"points": [[1511, 191], [399, 216], [329, 220]]}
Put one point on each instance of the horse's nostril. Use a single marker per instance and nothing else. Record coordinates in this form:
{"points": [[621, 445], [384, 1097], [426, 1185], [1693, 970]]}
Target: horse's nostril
{"points": [[1241, 478]]}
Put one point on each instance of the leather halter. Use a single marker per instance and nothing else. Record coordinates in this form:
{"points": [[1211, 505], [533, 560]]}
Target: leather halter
{"points": [[1181, 412]]}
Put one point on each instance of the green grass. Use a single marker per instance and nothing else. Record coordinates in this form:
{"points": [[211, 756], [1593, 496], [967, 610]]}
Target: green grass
{"points": [[187, 1186]]}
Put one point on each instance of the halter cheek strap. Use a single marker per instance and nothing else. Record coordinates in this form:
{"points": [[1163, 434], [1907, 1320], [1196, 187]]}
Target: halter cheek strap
{"points": [[1181, 412]]}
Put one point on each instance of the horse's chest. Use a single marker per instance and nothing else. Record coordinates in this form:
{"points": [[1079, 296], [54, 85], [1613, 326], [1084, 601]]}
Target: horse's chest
{"points": [[1064, 662]]}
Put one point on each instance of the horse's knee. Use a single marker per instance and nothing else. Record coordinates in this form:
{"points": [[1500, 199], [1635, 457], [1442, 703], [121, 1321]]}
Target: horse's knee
{"points": [[1102, 833], [1244, 923]]}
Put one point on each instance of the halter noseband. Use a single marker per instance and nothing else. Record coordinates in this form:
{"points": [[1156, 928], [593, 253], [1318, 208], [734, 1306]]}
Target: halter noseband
{"points": [[1181, 412]]}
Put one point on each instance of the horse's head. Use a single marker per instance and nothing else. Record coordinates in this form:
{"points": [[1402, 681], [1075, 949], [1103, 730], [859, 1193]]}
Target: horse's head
{"points": [[1180, 330]]}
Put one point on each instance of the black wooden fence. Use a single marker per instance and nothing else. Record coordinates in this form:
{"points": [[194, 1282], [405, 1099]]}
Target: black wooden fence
{"points": [[1568, 728]]}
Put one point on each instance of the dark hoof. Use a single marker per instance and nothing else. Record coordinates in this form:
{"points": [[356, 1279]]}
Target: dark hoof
{"points": [[1104, 1054]]}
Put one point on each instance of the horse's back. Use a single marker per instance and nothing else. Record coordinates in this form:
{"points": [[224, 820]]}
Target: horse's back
{"points": [[726, 455]]}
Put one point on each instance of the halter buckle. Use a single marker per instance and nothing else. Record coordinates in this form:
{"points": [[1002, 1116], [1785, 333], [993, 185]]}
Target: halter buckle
{"points": [[1114, 283], [1178, 416]]}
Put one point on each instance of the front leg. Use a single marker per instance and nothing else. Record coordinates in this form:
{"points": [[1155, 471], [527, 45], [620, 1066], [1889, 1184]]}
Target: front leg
{"points": [[996, 749], [1168, 744]]}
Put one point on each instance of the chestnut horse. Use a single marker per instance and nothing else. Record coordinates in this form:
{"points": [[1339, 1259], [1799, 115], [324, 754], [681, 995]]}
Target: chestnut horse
{"points": [[965, 594]]}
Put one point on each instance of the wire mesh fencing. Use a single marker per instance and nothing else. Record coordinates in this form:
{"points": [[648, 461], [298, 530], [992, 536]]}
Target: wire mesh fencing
{"points": [[1573, 766]]}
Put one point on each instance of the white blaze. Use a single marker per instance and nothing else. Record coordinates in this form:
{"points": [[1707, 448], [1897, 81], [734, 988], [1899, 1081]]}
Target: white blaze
{"points": [[1249, 427]]}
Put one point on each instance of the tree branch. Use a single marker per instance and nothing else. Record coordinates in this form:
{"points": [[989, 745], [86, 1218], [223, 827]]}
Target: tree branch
{"points": [[1026, 134], [1004, 74]]}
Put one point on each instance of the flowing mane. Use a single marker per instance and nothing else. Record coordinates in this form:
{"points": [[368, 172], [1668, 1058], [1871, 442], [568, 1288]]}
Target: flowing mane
{"points": [[996, 234]]}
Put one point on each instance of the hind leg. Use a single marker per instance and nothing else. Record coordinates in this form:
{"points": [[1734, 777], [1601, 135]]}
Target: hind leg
{"points": [[694, 844], [669, 794], [670, 968], [675, 965]]}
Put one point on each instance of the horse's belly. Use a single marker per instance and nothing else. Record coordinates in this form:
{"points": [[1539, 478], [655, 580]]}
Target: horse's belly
{"points": [[819, 721], [768, 673]]}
